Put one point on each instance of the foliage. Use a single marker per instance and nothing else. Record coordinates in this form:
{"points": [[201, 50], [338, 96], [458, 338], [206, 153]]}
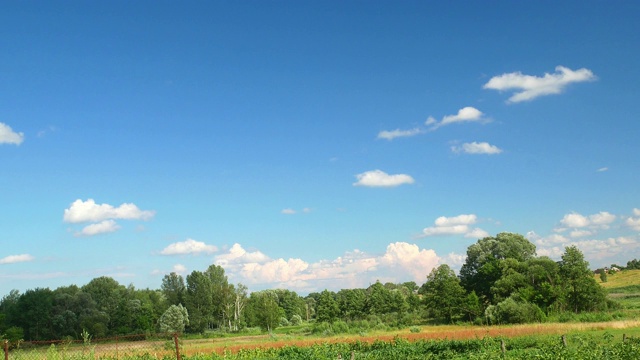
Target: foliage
{"points": [[513, 311], [443, 294], [174, 320]]}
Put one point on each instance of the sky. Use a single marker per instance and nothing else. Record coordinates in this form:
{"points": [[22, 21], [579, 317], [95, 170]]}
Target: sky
{"points": [[311, 145]]}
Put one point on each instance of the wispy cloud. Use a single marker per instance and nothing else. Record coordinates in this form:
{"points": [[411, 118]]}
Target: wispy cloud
{"points": [[533, 86], [390, 135], [187, 247], [8, 136], [12, 259], [477, 148], [379, 178], [603, 169]]}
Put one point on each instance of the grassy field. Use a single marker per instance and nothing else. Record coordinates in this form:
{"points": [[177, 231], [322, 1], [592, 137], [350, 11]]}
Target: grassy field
{"points": [[624, 287]]}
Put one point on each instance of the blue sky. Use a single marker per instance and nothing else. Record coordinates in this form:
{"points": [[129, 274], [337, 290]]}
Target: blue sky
{"points": [[311, 144]]}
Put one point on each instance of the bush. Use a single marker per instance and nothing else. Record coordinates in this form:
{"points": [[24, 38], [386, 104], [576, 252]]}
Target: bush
{"points": [[511, 311], [283, 321], [340, 327], [296, 320], [415, 329], [322, 328]]}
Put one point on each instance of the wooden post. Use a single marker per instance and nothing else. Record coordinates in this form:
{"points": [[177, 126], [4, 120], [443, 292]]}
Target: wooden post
{"points": [[624, 337], [564, 340], [175, 340], [502, 346], [6, 350]]}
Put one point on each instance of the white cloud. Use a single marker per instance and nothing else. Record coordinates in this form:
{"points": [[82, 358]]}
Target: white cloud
{"points": [[477, 233], [634, 223], [532, 86], [603, 169], [410, 258], [179, 269], [580, 233], [466, 114], [455, 260], [464, 219], [88, 211], [354, 269], [8, 136], [12, 259], [104, 227], [601, 220], [390, 135], [378, 178], [593, 249], [288, 211], [574, 220], [456, 225], [477, 148], [189, 246]]}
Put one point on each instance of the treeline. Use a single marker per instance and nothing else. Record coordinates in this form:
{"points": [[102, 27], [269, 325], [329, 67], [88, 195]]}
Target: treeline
{"points": [[502, 281]]}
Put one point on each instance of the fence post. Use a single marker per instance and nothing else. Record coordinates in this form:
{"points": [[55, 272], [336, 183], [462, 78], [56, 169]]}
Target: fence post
{"points": [[116, 347], [564, 340], [6, 350], [624, 337], [502, 347], [175, 340]]}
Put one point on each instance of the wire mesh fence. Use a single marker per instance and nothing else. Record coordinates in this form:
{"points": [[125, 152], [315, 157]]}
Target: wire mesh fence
{"points": [[145, 346]]}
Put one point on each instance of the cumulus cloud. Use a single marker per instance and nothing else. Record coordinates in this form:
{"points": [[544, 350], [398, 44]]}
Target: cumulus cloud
{"points": [[601, 220], [8, 136], [390, 135], [104, 227], [179, 269], [88, 211], [529, 87], [594, 249], [353, 269], [634, 222], [378, 178], [456, 225], [12, 259], [477, 148], [189, 246]]}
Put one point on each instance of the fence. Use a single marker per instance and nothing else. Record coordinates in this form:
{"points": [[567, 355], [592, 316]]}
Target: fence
{"points": [[158, 346]]}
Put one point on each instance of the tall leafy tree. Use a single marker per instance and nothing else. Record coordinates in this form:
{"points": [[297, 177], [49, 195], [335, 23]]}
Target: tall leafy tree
{"points": [[174, 319], [443, 294], [482, 267], [173, 288], [34, 314], [327, 308], [582, 291], [198, 298]]}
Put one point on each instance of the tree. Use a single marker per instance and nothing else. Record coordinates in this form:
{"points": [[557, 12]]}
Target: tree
{"points": [[443, 294], [33, 314], [265, 309], [198, 299], [173, 288], [482, 266], [582, 291], [174, 319], [327, 308], [352, 303]]}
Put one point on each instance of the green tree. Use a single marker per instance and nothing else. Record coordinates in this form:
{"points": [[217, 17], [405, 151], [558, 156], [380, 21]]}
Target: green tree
{"points": [[327, 308], [174, 319], [582, 291], [352, 303], [173, 288], [198, 298], [482, 267], [443, 294], [265, 311], [33, 314]]}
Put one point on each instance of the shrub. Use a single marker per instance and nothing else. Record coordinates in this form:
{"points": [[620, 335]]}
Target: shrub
{"points": [[511, 311], [296, 320], [340, 327]]}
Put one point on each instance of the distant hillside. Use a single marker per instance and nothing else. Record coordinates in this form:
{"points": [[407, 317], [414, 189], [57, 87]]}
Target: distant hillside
{"points": [[622, 282]]}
